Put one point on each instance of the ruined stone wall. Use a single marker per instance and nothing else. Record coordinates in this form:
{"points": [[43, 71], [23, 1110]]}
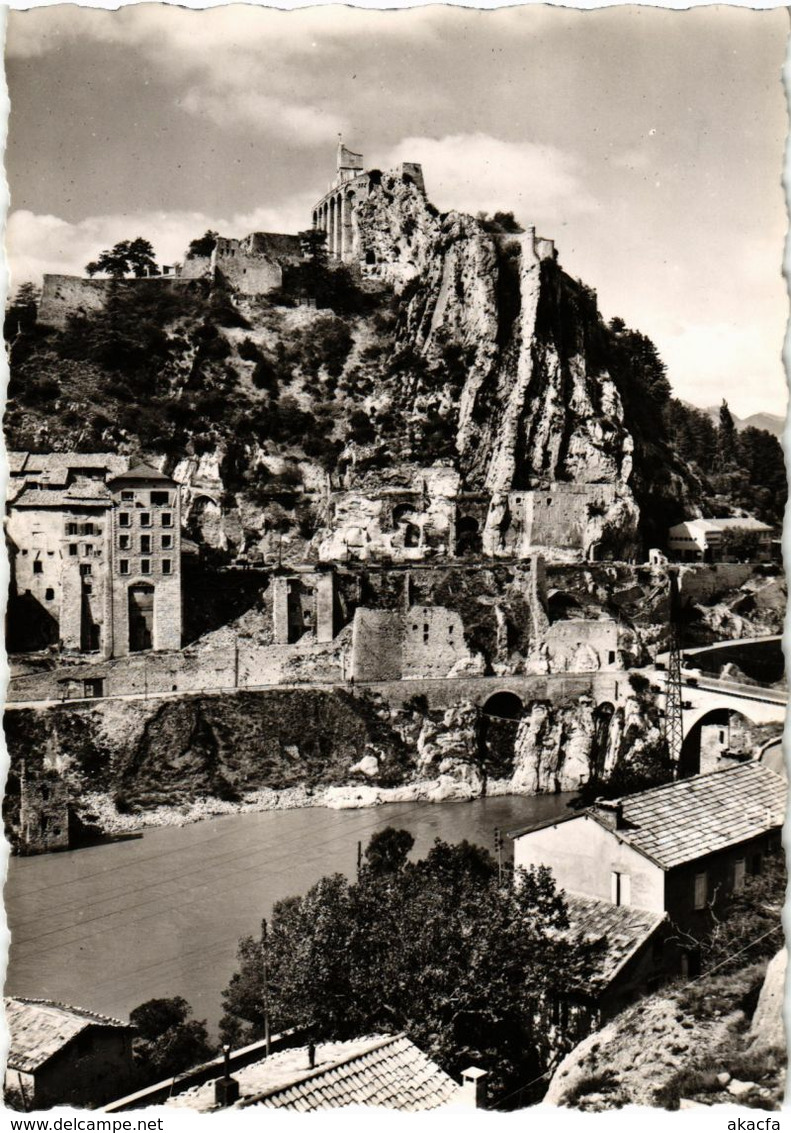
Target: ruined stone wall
{"points": [[707, 581], [377, 642], [582, 645], [249, 272], [64, 295], [433, 643]]}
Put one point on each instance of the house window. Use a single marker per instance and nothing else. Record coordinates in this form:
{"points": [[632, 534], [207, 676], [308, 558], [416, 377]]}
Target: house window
{"points": [[167, 519], [145, 566], [145, 544], [166, 566], [72, 548], [167, 542], [756, 864], [123, 542], [123, 566], [739, 871], [123, 519], [701, 889], [85, 569], [620, 888], [87, 529], [425, 633], [38, 567], [86, 550], [160, 499], [127, 496], [49, 594], [611, 657], [72, 529], [145, 518]]}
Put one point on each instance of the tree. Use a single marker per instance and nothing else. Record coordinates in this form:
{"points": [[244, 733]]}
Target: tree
{"points": [[168, 1041], [436, 948], [388, 851], [203, 246], [726, 437], [22, 311], [135, 257]]}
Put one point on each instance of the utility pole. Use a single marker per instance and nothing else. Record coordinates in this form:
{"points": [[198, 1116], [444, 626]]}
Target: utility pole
{"points": [[674, 722], [265, 984], [359, 858], [498, 846]]}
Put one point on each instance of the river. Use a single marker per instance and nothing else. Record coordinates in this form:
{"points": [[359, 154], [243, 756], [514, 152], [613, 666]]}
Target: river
{"points": [[109, 926]]}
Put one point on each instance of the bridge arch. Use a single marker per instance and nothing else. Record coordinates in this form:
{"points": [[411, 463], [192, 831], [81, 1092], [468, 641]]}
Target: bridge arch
{"points": [[714, 733], [503, 705]]}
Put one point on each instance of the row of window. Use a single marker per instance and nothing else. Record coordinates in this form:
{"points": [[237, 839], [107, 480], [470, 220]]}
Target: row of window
{"points": [[125, 543], [166, 566], [125, 518], [621, 888], [83, 529], [158, 499]]}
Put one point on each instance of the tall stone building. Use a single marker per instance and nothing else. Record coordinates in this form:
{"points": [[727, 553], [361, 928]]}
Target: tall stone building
{"points": [[95, 554], [336, 212]]}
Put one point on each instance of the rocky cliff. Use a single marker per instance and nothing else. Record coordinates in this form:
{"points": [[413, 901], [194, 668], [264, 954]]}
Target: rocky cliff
{"points": [[465, 360]]}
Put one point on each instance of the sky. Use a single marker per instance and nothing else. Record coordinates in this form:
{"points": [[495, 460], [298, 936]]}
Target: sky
{"points": [[649, 144]]}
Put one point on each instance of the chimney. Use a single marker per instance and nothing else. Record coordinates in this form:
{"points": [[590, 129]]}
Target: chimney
{"points": [[612, 811], [311, 1055], [226, 1089], [473, 1087]]}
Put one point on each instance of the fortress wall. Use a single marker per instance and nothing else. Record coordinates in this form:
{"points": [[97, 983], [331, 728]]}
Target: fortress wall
{"points": [[701, 583], [64, 295], [250, 274]]}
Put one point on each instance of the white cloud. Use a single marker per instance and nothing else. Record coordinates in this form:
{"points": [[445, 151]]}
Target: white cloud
{"points": [[709, 361], [476, 172], [265, 114], [40, 244]]}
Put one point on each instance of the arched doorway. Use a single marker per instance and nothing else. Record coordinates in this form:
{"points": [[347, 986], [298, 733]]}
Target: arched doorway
{"points": [[402, 518], [497, 728], [468, 536], [141, 617]]}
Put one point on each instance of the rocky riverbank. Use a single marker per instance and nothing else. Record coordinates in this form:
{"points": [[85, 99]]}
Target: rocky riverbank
{"points": [[99, 810]]}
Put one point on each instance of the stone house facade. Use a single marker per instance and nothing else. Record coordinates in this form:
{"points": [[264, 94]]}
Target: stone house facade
{"points": [[676, 849], [61, 1055], [95, 554]]}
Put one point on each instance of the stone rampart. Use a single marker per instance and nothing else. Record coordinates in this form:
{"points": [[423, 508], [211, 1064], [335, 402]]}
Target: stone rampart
{"points": [[65, 295]]}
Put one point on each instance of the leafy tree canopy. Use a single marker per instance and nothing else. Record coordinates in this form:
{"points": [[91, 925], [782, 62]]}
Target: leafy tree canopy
{"points": [[128, 257], [435, 948], [203, 246], [168, 1041]]}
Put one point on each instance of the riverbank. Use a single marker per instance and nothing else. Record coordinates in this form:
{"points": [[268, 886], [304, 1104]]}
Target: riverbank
{"points": [[100, 810]]}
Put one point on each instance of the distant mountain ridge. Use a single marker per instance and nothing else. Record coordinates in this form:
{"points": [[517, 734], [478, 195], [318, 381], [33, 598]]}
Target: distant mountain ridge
{"points": [[769, 421]]}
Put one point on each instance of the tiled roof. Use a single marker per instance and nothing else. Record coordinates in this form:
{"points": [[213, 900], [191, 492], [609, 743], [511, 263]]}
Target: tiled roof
{"points": [[740, 523], [625, 928], [81, 494], [690, 818], [143, 471], [389, 1072], [58, 464], [40, 1028]]}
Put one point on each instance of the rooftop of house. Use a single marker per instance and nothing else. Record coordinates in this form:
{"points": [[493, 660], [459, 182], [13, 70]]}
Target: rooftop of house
{"points": [[40, 1028], [59, 464], [739, 523], [378, 1070], [625, 928], [682, 821], [142, 471], [81, 493]]}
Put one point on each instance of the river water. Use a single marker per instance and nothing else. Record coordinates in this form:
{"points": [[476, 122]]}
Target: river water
{"points": [[109, 926]]}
